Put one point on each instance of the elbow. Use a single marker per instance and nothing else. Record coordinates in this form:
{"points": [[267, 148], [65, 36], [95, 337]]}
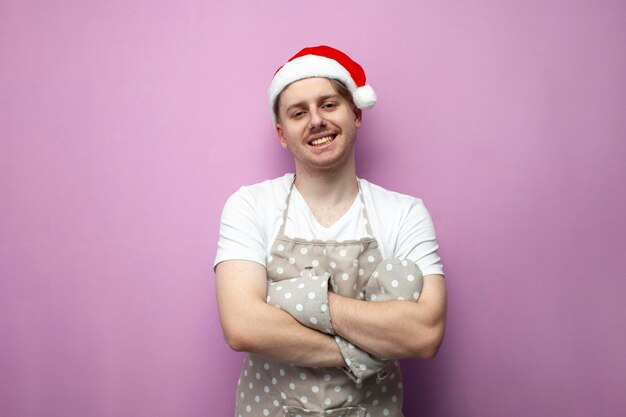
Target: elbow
{"points": [[243, 332], [237, 340], [429, 352], [428, 345]]}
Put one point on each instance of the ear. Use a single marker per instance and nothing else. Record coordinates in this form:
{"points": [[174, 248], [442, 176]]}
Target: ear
{"points": [[281, 135], [358, 113]]}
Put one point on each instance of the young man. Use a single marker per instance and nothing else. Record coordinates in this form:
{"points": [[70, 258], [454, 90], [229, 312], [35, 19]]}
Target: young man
{"points": [[353, 268]]}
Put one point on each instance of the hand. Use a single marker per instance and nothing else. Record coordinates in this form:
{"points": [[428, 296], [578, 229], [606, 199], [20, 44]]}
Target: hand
{"points": [[395, 279], [305, 298]]}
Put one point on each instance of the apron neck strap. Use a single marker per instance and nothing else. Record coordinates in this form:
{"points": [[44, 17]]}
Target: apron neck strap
{"points": [[287, 199], [368, 227]]}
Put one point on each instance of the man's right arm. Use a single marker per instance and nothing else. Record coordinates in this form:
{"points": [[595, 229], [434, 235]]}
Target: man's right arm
{"points": [[251, 325]]}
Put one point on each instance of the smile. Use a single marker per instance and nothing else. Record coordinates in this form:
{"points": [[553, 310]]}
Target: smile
{"points": [[322, 141]]}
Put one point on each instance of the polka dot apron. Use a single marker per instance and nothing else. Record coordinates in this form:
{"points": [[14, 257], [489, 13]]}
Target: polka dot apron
{"points": [[268, 388]]}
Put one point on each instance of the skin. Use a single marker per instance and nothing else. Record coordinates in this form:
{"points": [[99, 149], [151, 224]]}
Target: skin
{"points": [[251, 325], [326, 178], [325, 175]]}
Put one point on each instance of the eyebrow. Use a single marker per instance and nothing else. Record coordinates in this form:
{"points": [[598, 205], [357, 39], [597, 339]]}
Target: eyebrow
{"points": [[319, 99]]}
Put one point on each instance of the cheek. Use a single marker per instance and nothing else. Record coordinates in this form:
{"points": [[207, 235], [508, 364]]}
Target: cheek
{"points": [[290, 135], [295, 130]]}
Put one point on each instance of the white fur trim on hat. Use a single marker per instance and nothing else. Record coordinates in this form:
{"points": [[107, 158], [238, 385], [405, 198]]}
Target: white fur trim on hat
{"points": [[364, 97], [308, 66]]}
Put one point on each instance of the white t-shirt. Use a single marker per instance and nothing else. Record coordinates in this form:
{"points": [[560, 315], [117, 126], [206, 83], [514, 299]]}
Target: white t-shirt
{"points": [[253, 215]]}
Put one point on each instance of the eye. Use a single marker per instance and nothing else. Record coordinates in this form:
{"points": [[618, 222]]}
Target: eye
{"points": [[297, 114], [329, 105]]}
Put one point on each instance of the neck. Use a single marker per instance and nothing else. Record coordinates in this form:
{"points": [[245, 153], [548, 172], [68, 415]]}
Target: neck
{"points": [[328, 188]]}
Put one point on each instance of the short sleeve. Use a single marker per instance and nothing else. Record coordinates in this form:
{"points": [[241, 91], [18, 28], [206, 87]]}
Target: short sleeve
{"points": [[417, 240], [241, 233]]}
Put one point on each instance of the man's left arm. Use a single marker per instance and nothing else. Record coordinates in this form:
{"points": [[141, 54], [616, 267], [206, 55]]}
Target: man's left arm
{"points": [[394, 329]]}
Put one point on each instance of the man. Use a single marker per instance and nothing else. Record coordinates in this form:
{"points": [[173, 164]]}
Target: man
{"points": [[352, 267]]}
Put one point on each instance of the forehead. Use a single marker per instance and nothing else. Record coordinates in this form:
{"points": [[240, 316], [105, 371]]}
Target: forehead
{"points": [[306, 90]]}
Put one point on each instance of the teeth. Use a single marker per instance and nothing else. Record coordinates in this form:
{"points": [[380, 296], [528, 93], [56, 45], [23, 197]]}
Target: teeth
{"points": [[321, 141]]}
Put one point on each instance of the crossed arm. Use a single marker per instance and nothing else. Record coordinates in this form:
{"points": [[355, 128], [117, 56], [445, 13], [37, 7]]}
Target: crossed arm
{"points": [[251, 325], [394, 329], [391, 329]]}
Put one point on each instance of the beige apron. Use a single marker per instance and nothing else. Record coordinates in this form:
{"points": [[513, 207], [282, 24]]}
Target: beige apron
{"points": [[268, 388]]}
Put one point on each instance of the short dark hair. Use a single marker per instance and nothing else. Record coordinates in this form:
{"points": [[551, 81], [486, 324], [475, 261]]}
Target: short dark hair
{"points": [[340, 88]]}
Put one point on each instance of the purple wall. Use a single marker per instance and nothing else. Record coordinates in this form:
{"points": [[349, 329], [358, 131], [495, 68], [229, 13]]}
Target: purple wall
{"points": [[124, 126]]}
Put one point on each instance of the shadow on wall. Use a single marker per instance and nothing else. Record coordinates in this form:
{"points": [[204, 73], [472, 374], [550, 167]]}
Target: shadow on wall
{"points": [[424, 381]]}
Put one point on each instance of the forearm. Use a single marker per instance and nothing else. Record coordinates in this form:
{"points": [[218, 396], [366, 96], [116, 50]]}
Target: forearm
{"points": [[393, 329], [251, 325], [272, 333]]}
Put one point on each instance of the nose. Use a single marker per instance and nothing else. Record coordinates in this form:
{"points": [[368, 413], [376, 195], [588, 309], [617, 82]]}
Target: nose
{"points": [[316, 119]]}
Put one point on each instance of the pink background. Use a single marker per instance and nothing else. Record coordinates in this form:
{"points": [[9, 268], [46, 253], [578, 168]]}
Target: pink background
{"points": [[125, 125]]}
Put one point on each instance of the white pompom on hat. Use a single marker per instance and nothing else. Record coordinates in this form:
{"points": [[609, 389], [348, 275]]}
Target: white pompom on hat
{"points": [[323, 61]]}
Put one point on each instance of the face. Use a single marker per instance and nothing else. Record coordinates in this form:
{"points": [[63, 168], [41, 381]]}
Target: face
{"points": [[317, 125]]}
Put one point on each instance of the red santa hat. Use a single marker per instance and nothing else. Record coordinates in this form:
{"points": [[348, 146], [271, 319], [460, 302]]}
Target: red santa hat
{"points": [[323, 61]]}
